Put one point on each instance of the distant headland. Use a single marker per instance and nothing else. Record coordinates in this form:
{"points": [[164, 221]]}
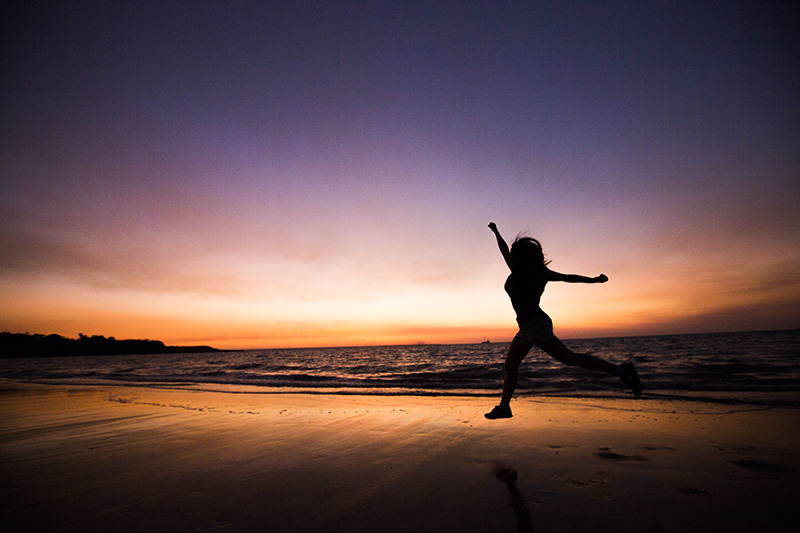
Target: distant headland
{"points": [[38, 345]]}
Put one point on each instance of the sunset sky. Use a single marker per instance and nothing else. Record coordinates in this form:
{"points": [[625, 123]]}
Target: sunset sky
{"points": [[276, 174]]}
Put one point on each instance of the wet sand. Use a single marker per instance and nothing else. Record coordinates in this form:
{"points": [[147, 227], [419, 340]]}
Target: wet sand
{"points": [[109, 458]]}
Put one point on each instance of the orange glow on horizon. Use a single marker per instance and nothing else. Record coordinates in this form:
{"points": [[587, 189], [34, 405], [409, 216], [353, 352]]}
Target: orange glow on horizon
{"points": [[419, 314]]}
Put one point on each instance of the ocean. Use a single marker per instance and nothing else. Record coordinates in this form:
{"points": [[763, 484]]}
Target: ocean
{"points": [[760, 368]]}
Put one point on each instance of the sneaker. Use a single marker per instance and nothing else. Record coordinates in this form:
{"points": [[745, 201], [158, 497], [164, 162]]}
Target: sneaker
{"points": [[500, 411], [631, 379]]}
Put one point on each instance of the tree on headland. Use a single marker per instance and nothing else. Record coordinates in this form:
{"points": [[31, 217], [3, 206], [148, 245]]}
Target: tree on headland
{"points": [[38, 345]]}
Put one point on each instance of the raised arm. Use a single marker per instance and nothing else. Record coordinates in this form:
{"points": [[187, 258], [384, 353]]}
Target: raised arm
{"points": [[575, 278], [501, 244]]}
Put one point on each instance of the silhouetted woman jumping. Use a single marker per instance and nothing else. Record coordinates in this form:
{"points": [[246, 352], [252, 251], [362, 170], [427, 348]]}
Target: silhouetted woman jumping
{"points": [[525, 285]]}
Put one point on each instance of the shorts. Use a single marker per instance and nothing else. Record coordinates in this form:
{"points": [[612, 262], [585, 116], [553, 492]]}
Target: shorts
{"points": [[535, 330]]}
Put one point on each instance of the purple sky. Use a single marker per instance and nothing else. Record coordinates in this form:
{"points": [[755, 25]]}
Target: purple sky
{"points": [[254, 174]]}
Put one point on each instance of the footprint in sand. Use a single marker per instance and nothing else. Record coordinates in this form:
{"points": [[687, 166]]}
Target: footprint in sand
{"points": [[694, 492], [599, 478], [605, 454], [761, 466]]}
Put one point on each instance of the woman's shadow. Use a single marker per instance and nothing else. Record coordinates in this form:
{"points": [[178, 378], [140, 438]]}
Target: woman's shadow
{"points": [[509, 476]]}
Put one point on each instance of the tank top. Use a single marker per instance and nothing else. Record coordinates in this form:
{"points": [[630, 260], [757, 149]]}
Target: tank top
{"points": [[525, 290]]}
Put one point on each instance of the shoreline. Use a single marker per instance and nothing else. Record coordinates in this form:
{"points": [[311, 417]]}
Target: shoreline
{"points": [[111, 457], [759, 399]]}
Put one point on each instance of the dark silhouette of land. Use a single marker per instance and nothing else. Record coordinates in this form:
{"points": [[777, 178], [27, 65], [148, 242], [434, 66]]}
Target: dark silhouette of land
{"points": [[38, 345]]}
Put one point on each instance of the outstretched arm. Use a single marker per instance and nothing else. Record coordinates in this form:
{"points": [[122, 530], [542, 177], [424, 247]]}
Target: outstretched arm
{"points": [[501, 244], [575, 278]]}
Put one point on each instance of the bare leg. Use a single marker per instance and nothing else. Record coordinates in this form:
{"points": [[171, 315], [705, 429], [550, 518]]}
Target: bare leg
{"points": [[556, 349], [516, 353], [626, 371]]}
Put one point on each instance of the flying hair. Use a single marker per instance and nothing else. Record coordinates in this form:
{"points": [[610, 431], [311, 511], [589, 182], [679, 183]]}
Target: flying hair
{"points": [[526, 252]]}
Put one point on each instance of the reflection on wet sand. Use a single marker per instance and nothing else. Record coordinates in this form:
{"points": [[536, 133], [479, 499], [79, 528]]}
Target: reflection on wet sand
{"points": [[509, 476]]}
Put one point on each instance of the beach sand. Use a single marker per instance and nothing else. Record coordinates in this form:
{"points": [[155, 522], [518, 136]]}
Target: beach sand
{"points": [[111, 458]]}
